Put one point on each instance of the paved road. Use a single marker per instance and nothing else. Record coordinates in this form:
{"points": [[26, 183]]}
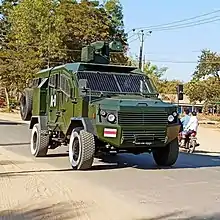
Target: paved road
{"points": [[190, 188]]}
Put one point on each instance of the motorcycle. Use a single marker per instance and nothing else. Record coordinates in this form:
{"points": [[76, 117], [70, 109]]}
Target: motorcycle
{"points": [[190, 142]]}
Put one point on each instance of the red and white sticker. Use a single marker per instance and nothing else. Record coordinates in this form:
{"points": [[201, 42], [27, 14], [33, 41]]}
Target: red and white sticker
{"points": [[109, 132]]}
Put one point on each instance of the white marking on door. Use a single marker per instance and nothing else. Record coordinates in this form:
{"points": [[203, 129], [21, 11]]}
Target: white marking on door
{"points": [[53, 100]]}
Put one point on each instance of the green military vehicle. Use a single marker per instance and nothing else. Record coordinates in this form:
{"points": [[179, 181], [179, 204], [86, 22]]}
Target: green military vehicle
{"points": [[94, 107]]}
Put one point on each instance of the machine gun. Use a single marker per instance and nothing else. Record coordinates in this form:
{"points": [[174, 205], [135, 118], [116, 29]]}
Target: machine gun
{"points": [[99, 51]]}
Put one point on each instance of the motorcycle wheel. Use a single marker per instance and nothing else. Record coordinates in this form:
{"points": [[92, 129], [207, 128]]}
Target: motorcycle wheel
{"points": [[191, 146]]}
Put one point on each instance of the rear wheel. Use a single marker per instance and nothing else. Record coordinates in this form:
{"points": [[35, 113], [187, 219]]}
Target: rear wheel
{"points": [[167, 156], [81, 149], [39, 141], [192, 146]]}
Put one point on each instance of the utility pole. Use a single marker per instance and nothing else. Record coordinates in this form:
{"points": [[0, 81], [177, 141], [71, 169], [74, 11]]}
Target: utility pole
{"points": [[141, 49], [143, 64]]}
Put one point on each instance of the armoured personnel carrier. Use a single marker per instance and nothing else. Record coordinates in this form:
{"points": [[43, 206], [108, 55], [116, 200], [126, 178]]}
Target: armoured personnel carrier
{"points": [[93, 106]]}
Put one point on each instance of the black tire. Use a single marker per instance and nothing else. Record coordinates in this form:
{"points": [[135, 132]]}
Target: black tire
{"points": [[39, 141], [26, 104], [167, 156], [81, 149], [192, 146]]}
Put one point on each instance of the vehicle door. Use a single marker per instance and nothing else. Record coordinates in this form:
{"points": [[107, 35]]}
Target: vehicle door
{"points": [[54, 104], [66, 100]]}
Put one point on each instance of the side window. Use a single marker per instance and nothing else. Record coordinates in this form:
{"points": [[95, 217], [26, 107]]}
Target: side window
{"points": [[65, 85], [52, 81]]}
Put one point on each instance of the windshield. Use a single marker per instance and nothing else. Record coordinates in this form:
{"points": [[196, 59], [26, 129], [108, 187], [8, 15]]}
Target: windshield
{"points": [[116, 82]]}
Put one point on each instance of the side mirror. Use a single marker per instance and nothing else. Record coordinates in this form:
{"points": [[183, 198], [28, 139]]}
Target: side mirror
{"points": [[83, 87]]}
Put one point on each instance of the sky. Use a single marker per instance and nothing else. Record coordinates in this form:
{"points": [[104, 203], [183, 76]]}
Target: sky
{"points": [[172, 45]]}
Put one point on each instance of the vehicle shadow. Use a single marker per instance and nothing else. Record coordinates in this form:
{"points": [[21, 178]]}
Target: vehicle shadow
{"points": [[11, 162], [9, 123], [29, 172], [57, 211], [14, 144], [146, 162]]}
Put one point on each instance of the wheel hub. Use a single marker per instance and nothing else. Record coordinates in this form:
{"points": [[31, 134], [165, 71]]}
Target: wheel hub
{"points": [[76, 149]]}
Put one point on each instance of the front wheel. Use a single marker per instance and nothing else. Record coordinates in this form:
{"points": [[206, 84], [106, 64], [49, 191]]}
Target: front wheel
{"points": [[81, 149], [167, 156]]}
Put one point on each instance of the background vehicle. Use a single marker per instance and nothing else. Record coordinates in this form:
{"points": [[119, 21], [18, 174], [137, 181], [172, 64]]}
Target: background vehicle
{"points": [[94, 107]]}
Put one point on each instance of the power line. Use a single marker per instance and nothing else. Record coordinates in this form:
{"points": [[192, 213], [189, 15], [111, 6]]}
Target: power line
{"points": [[183, 62], [186, 25], [181, 27], [178, 21], [189, 24]]}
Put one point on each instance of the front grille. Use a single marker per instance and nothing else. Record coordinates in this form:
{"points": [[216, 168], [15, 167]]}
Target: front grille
{"points": [[143, 125], [144, 135], [142, 118]]}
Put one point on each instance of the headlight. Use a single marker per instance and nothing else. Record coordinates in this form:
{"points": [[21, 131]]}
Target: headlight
{"points": [[103, 113], [171, 118], [174, 114], [111, 118]]}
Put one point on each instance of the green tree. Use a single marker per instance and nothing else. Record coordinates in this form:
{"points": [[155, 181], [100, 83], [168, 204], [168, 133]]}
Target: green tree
{"points": [[46, 33], [208, 65], [88, 24], [114, 11], [205, 85], [195, 90], [154, 70]]}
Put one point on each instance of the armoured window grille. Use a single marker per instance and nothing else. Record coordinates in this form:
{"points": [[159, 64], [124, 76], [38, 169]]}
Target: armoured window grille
{"points": [[99, 81], [52, 81], [130, 83], [64, 85]]}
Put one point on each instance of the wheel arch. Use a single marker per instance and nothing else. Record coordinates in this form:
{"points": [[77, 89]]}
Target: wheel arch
{"points": [[85, 123], [41, 120]]}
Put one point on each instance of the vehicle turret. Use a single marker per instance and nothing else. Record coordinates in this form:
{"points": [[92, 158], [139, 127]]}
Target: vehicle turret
{"points": [[99, 51]]}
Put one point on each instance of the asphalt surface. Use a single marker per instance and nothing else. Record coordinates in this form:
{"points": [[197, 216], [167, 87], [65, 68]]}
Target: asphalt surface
{"points": [[190, 188]]}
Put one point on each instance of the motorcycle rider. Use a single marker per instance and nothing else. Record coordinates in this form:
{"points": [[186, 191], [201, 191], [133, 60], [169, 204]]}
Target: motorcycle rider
{"points": [[190, 128], [186, 118]]}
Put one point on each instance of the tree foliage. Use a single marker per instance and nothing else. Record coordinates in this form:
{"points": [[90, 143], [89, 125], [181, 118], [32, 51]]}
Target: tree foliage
{"points": [[43, 33], [208, 65], [163, 86], [205, 85]]}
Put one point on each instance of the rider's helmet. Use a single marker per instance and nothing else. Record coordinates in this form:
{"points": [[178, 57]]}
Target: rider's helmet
{"points": [[186, 110], [194, 113]]}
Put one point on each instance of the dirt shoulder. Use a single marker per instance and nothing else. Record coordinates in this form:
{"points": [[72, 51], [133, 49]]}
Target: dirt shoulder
{"points": [[11, 117], [208, 138], [34, 190]]}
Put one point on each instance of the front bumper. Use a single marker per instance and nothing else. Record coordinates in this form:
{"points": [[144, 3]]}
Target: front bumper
{"points": [[126, 137]]}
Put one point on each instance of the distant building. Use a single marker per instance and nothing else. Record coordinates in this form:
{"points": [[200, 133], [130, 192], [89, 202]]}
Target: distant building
{"points": [[185, 103]]}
